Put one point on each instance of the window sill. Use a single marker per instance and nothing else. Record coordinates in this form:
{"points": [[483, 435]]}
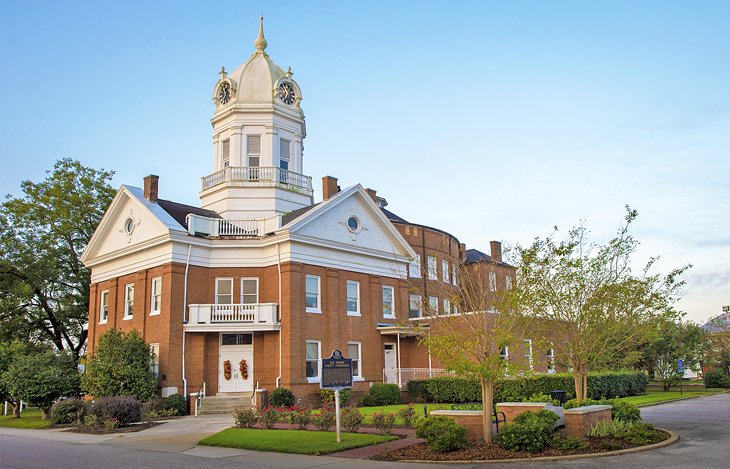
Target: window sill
{"points": [[389, 317], [313, 311], [155, 313], [353, 314], [357, 378], [312, 380], [102, 322], [127, 318]]}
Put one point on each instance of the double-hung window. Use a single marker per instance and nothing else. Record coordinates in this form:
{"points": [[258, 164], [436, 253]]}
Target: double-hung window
{"points": [[414, 306], [226, 153], [253, 155], [528, 352], [284, 148], [447, 306], [250, 291], [508, 282], [388, 295], [504, 353], [551, 360], [432, 262], [224, 291], [414, 268], [312, 296], [445, 271], [492, 281], [453, 275], [353, 298], [128, 301], [156, 296], [312, 360], [155, 351], [354, 353], [433, 306], [104, 307]]}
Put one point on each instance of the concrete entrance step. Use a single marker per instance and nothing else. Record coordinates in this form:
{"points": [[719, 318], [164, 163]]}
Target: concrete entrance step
{"points": [[224, 404]]}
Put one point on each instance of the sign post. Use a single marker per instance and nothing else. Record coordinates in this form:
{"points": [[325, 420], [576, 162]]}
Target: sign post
{"points": [[336, 375], [680, 370]]}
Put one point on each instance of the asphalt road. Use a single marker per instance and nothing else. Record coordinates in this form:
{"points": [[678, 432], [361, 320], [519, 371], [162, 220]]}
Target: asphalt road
{"points": [[702, 423]]}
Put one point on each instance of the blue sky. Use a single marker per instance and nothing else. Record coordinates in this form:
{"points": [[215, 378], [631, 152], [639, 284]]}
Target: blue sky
{"points": [[491, 120]]}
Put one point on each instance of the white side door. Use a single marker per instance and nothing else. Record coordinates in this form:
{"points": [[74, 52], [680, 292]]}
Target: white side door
{"points": [[391, 373]]}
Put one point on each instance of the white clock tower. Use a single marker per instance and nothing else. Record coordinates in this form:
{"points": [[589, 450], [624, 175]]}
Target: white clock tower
{"points": [[258, 129]]}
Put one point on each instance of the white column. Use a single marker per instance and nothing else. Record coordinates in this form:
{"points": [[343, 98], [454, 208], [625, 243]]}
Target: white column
{"points": [[399, 373], [236, 149]]}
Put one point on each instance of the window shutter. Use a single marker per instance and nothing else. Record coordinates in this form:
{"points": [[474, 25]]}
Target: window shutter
{"points": [[284, 149], [253, 144], [226, 152]]}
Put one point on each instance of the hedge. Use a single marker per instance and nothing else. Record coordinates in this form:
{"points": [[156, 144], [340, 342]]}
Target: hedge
{"points": [[600, 386]]}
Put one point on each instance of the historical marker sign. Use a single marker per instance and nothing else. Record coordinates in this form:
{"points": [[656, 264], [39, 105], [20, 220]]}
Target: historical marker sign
{"points": [[336, 372]]}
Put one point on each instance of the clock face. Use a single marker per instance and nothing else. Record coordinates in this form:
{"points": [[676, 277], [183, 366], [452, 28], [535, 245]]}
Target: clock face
{"points": [[286, 93], [224, 93]]}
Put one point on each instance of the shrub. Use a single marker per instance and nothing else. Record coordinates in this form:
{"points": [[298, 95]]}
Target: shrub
{"points": [[541, 398], [600, 385], [442, 434], [717, 379], [418, 390], [69, 411], [92, 420], [351, 418], [325, 419], [382, 394], [299, 416], [328, 395], [408, 415], [282, 397], [621, 410], [110, 424], [121, 366], [643, 434], [245, 418], [269, 416], [125, 409], [154, 406], [177, 404], [384, 422], [528, 432], [567, 443]]}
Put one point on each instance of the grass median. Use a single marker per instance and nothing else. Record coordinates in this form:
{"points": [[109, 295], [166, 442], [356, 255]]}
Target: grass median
{"points": [[292, 441], [655, 397]]}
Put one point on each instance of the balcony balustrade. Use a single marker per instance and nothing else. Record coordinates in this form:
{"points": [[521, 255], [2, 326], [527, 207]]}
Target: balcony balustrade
{"points": [[232, 317], [259, 176]]}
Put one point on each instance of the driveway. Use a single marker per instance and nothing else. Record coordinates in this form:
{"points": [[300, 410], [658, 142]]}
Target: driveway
{"points": [[702, 423]]}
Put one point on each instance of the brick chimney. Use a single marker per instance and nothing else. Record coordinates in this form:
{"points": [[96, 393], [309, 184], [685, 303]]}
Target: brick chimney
{"points": [[329, 187], [373, 194], [496, 247], [150, 187]]}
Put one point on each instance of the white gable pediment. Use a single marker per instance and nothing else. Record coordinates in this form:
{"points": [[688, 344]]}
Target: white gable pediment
{"points": [[328, 223], [129, 224]]}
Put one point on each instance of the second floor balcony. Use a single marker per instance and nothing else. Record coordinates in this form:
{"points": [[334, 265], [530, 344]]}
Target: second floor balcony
{"points": [[259, 176], [232, 317]]}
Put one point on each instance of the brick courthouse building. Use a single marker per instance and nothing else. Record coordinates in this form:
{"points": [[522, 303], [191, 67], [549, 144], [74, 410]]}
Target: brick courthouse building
{"points": [[256, 286]]}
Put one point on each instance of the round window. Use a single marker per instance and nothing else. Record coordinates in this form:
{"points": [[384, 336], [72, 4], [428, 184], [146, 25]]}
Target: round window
{"points": [[353, 224], [129, 225]]}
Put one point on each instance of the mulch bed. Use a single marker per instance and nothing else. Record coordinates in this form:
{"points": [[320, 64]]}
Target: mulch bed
{"points": [[103, 431], [478, 451]]}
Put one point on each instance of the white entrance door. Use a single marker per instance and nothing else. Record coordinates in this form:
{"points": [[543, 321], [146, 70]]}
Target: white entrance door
{"points": [[391, 373], [236, 350]]}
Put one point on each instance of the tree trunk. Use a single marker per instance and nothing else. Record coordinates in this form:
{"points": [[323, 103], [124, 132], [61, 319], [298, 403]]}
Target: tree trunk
{"points": [[16, 409], [585, 385], [487, 405], [44, 412], [580, 378]]}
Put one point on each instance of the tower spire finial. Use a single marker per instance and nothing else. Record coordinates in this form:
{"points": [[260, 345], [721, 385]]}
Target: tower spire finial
{"points": [[260, 42]]}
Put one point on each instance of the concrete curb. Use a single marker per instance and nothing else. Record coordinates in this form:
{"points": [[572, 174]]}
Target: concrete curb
{"points": [[673, 438], [681, 399]]}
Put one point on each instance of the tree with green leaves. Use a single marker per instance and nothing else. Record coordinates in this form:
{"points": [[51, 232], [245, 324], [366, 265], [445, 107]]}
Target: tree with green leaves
{"points": [[122, 365], [44, 288], [471, 340], [42, 376], [673, 340], [593, 300]]}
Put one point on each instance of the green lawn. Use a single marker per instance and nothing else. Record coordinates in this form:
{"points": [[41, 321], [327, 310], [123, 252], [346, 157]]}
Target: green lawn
{"points": [[653, 397], [291, 441], [29, 418]]}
